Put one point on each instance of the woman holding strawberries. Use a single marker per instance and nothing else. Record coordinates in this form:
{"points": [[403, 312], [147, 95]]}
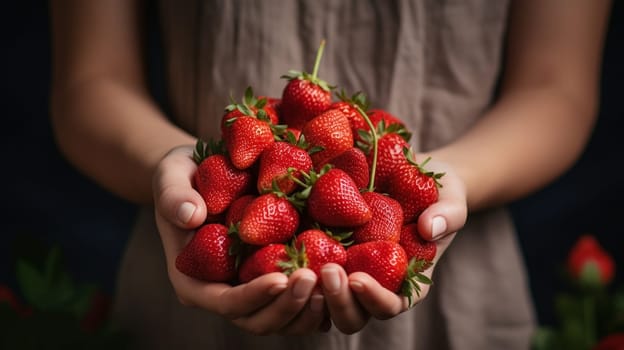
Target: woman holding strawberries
{"points": [[434, 64]]}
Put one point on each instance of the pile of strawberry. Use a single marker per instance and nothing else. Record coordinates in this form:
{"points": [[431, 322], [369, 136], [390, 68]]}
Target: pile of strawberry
{"points": [[301, 181]]}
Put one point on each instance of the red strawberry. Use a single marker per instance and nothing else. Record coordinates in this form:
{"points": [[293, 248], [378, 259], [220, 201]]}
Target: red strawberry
{"points": [[414, 187], [347, 105], [218, 181], [317, 248], [612, 341], [269, 114], [588, 257], [386, 222], [296, 133], [416, 247], [390, 155], [305, 96], [272, 101], [385, 261], [270, 218], [330, 132], [378, 115], [228, 117], [275, 163], [276, 104], [207, 256], [235, 212], [261, 108], [335, 200], [265, 260], [353, 162], [247, 138], [7, 296]]}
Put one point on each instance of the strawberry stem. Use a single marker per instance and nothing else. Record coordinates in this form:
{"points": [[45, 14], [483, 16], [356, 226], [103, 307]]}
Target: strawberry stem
{"points": [[294, 178], [317, 61], [373, 170]]}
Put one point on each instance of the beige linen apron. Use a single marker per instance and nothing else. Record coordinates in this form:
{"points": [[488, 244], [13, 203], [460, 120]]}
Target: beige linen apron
{"points": [[432, 63]]}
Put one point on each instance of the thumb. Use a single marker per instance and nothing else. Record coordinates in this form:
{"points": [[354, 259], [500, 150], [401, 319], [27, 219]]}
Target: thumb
{"points": [[175, 198], [449, 213]]}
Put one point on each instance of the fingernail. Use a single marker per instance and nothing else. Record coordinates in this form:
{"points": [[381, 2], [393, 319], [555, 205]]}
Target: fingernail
{"points": [[438, 227], [278, 288], [303, 287], [331, 280], [317, 303], [185, 212], [356, 286]]}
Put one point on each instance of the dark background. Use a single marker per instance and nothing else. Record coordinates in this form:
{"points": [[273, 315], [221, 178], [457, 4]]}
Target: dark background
{"points": [[45, 201]]}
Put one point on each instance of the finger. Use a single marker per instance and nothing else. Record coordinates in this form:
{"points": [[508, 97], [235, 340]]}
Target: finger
{"points": [[231, 302], [246, 299], [380, 302], [175, 198], [345, 311], [310, 319], [276, 315], [449, 213], [240, 300]]}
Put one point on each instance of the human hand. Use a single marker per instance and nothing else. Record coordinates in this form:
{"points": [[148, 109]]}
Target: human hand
{"points": [[352, 300], [273, 303]]}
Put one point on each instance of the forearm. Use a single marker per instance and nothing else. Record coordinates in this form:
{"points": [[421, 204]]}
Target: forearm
{"points": [[547, 105], [526, 140], [104, 120], [113, 133]]}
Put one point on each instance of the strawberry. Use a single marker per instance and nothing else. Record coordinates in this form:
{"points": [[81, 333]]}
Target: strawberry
{"points": [[390, 156], [416, 247], [305, 95], [414, 187], [235, 212], [275, 163], [334, 200], [270, 218], [296, 133], [353, 162], [385, 261], [262, 108], [207, 256], [247, 138], [217, 180], [276, 104], [8, 297], [316, 248], [265, 260], [329, 132], [386, 222], [589, 262], [611, 341], [228, 117], [378, 115], [347, 105]]}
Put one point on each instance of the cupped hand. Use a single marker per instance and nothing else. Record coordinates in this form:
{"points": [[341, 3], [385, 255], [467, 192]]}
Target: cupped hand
{"points": [[273, 303], [352, 300]]}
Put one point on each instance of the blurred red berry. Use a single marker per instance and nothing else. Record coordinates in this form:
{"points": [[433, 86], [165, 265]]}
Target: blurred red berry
{"points": [[613, 341], [587, 254]]}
